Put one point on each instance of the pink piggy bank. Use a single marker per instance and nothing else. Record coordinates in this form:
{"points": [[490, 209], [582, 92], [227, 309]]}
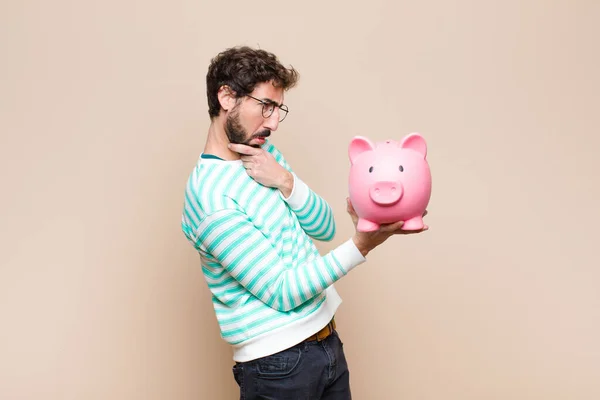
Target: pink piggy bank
{"points": [[389, 181]]}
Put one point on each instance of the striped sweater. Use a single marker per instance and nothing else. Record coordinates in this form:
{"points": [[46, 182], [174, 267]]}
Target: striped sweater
{"points": [[270, 286]]}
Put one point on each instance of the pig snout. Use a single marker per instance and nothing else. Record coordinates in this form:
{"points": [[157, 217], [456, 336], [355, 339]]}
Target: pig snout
{"points": [[386, 193]]}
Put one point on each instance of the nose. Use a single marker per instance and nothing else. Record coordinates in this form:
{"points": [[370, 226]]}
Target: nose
{"points": [[386, 193], [272, 122]]}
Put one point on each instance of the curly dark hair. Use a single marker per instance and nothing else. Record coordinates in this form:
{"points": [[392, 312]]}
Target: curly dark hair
{"points": [[242, 68]]}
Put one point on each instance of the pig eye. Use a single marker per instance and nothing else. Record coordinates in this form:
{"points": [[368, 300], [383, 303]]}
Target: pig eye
{"points": [[371, 169], [401, 168]]}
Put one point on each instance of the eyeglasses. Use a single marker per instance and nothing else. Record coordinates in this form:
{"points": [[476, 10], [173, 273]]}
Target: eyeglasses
{"points": [[268, 107]]}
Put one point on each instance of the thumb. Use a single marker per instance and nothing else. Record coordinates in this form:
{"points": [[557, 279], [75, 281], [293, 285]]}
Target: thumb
{"points": [[350, 210]]}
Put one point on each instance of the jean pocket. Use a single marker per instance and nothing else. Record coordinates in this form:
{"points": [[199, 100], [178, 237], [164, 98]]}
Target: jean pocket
{"points": [[279, 365], [238, 374]]}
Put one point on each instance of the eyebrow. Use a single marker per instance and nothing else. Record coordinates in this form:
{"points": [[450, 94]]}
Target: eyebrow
{"points": [[271, 101]]}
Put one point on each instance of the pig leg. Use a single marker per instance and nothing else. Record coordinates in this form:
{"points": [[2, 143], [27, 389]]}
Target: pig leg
{"points": [[413, 224], [364, 225]]}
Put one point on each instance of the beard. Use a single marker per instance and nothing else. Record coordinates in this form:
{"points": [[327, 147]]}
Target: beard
{"points": [[237, 134]]}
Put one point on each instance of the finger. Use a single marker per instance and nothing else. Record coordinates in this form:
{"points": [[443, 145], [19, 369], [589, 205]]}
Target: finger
{"points": [[350, 209], [246, 165], [411, 232], [393, 227], [349, 206], [243, 149]]}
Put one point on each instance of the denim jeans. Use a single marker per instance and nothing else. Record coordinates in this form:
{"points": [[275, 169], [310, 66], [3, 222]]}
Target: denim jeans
{"points": [[307, 371]]}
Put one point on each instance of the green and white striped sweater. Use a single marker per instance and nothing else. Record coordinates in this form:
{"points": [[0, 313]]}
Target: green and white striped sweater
{"points": [[270, 286]]}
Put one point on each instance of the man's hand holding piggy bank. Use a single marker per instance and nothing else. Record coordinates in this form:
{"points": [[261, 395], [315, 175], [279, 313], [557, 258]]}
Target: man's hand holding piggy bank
{"points": [[389, 187]]}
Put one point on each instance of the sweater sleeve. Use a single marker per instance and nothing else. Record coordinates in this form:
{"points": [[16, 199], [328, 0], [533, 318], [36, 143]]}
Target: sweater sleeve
{"points": [[232, 239], [314, 213]]}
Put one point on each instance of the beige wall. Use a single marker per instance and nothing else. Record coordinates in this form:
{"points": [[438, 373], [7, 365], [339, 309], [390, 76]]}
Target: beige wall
{"points": [[103, 114]]}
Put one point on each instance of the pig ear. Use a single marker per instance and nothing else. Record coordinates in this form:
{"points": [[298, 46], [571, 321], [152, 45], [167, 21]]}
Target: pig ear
{"points": [[358, 145], [415, 142]]}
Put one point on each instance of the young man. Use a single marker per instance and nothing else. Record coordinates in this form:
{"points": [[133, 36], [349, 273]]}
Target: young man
{"points": [[252, 220]]}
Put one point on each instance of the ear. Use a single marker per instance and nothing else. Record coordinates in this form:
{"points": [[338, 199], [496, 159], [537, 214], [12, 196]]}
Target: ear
{"points": [[358, 145], [226, 97], [415, 142]]}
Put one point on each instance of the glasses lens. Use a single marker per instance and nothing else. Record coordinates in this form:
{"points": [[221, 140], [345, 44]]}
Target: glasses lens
{"points": [[283, 111], [268, 110]]}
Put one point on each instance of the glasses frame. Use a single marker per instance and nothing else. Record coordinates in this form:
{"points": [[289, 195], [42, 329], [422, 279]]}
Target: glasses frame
{"points": [[267, 104]]}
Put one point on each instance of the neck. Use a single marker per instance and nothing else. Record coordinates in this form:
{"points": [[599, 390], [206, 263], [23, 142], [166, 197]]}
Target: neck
{"points": [[217, 141]]}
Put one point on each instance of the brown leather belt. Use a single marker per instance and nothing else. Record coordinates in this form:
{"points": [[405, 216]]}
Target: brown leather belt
{"points": [[323, 333]]}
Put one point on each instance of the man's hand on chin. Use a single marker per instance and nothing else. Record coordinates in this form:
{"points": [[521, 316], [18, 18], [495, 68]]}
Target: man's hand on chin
{"points": [[263, 168]]}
